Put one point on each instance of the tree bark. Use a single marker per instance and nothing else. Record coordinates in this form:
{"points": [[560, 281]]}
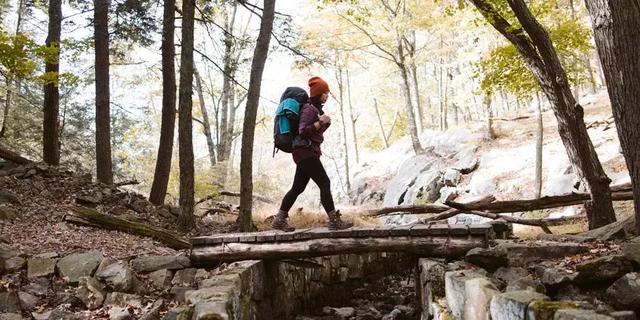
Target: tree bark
{"points": [[167, 126], [382, 134], [50, 124], [345, 143], [413, 129], [616, 24], [205, 120], [539, 142], [104, 164], [536, 48], [416, 95], [185, 118], [352, 118], [248, 128], [13, 157], [491, 134]]}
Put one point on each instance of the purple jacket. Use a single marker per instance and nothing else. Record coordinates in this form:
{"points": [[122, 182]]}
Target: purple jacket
{"points": [[309, 114]]}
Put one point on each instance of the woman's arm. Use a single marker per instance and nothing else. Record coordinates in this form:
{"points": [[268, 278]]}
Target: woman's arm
{"points": [[309, 123]]}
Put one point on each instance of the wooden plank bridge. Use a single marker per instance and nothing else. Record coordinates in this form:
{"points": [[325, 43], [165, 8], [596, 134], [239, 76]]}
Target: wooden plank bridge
{"points": [[435, 240]]}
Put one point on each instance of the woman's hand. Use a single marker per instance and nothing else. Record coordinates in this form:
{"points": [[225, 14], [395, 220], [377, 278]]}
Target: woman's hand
{"points": [[325, 119]]}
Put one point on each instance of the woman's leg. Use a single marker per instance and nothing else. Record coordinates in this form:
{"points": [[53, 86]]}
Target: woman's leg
{"points": [[300, 181], [314, 169]]}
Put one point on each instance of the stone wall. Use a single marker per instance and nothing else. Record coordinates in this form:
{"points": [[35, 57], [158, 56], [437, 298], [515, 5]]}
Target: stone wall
{"points": [[280, 290]]}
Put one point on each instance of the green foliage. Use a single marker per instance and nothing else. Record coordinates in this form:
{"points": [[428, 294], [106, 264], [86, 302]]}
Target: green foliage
{"points": [[18, 54], [504, 69]]}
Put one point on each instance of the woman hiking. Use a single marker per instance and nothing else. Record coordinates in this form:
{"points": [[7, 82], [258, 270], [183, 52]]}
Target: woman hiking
{"points": [[312, 125]]}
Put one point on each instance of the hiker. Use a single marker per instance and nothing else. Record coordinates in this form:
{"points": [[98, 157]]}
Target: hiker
{"points": [[312, 124]]}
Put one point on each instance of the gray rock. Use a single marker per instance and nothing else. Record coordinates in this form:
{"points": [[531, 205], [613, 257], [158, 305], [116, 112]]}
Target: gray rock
{"points": [[631, 250], [106, 261], [179, 313], [46, 255], [154, 312], [448, 194], [10, 316], [117, 276], [91, 292], [479, 292], [431, 282], [570, 292], [523, 254], [206, 310], [577, 314], [14, 264], [42, 315], [37, 286], [161, 279], [179, 293], [451, 177], [507, 274], [61, 314], [623, 315], [544, 310], [624, 293], [408, 173], [41, 267], [8, 197], [215, 293], [603, 269], [119, 313], [28, 301], [7, 252], [121, 299], [153, 263], [9, 302], [74, 266], [455, 289], [185, 278], [488, 258], [467, 160], [551, 275], [513, 305], [526, 283], [341, 313]]}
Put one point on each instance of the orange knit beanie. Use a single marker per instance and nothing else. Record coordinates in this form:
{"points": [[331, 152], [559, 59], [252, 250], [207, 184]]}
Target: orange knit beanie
{"points": [[317, 86]]}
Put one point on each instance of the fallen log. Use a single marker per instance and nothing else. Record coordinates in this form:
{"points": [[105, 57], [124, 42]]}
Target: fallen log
{"points": [[443, 247], [91, 217], [541, 222], [237, 194], [425, 208], [619, 193], [536, 204], [13, 157]]}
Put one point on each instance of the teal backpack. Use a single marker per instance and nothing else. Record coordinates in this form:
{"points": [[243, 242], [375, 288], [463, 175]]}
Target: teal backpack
{"points": [[287, 118]]}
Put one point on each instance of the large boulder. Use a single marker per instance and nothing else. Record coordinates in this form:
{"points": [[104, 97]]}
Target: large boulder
{"points": [[117, 276], [526, 283], [74, 266], [153, 263], [161, 279], [28, 301], [91, 292], [603, 269], [431, 282], [631, 250], [513, 305], [451, 177], [14, 264], [9, 302], [180, 313], [508, 274], [185, 277], [41, 267], [210, 310], [624, 293], [545, 310], [488, 258], [579, 314], [455, 289], [479, 292], [552, 275], [408, 172], [154, 311]]}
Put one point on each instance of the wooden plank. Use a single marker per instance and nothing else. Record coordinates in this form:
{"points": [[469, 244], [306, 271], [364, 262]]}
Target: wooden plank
{"points": [[420, 230], [285, 236], [439, 229], [269, 236], [360, 232], [247, 238], [479, 229], [303, 234], [400, 231], [458, 230]]}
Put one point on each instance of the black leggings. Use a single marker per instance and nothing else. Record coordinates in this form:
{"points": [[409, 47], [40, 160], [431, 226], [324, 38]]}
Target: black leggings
{"points": [[309, 169]]}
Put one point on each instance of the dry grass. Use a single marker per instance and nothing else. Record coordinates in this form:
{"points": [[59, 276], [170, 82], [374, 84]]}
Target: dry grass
{"points": [[301, 218]]}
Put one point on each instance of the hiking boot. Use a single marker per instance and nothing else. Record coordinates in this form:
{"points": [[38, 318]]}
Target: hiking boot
{"points": [[280, 223], [336, 223]]}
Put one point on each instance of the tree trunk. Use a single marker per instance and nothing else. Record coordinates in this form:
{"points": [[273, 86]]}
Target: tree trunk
{"points": [[344, 126], [205, 119], [104, 165], [384, 136], [616, 24], [491, 134], [416, 96], [352, 118], [538, 52], [167, 126], [248, 128], [185, 118], [539, 141], [50, 130]]}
